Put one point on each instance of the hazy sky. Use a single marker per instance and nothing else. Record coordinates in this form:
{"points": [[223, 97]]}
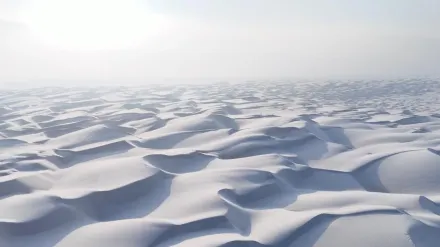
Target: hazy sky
{"points": [[136, 40]]}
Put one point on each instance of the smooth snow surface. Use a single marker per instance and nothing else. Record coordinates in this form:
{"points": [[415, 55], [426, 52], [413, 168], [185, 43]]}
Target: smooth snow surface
{"points": [[255, 164]]}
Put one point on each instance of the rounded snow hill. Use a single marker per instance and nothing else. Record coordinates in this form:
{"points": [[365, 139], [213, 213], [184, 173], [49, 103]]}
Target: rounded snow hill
{"points": [[412, 172]]}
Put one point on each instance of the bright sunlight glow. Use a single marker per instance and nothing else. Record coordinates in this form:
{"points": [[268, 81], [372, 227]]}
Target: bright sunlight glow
{"points": [[92, 24]]}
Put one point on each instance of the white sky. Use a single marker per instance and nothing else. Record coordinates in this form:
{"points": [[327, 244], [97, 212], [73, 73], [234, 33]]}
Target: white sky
{"points": [[121, 41]]}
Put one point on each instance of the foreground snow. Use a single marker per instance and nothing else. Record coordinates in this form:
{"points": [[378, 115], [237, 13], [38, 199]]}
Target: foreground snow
{"points": [[256, 164]]}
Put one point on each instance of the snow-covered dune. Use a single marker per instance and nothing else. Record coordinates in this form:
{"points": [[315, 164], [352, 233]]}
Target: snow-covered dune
{"points": [[253, 164]]}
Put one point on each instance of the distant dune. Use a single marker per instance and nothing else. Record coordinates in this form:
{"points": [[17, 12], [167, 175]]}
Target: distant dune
{"points": [[253, 164]]}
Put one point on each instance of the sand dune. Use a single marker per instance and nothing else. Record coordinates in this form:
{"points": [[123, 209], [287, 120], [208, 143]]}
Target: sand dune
{"points": [[253, 164]]}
